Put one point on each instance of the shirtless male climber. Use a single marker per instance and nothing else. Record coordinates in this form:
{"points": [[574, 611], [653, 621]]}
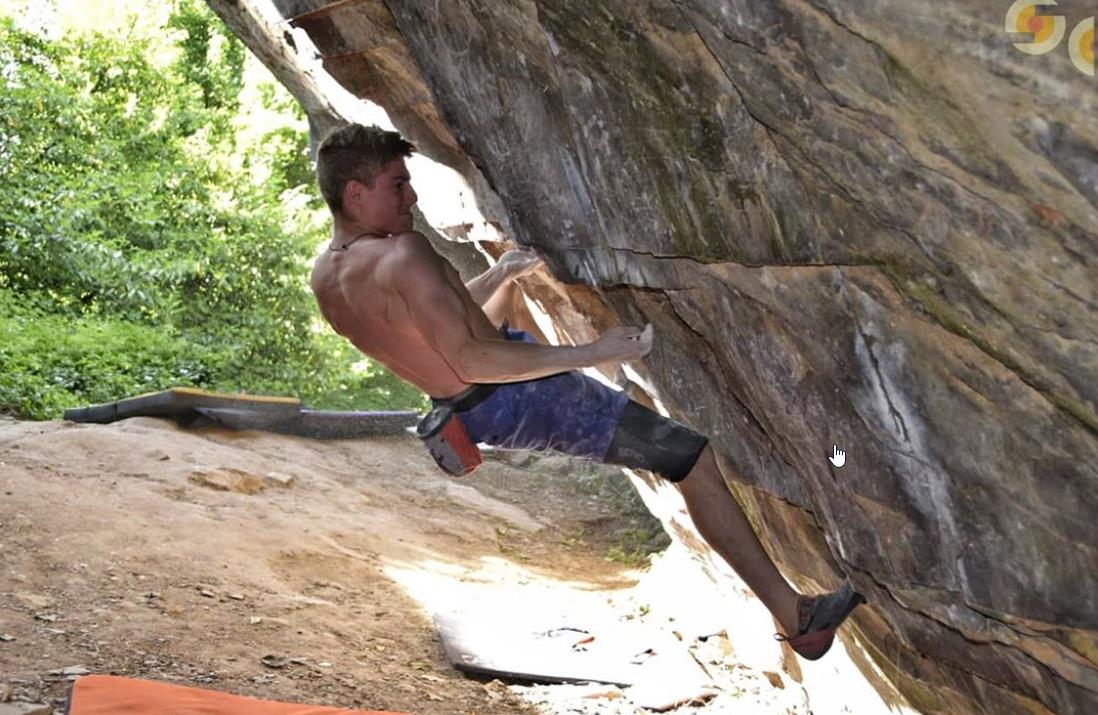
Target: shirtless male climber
{"points": [[383, 287]]}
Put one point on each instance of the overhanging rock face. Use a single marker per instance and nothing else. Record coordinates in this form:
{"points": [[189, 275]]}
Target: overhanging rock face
{"points": [[855, 223]]}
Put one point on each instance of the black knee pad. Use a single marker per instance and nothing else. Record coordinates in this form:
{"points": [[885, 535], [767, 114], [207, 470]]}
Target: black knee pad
{"points": [[644, 439]]}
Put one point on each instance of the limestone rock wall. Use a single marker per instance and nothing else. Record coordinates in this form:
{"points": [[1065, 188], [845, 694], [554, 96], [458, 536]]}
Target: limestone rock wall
{"points": [[862, 223]]}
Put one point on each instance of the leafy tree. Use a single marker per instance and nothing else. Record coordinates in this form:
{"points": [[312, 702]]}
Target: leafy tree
{"points": [[141, 246], [219, 81]]}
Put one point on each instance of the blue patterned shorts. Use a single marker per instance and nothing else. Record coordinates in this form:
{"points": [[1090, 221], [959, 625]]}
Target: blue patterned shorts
{"points": [[568, 412]]}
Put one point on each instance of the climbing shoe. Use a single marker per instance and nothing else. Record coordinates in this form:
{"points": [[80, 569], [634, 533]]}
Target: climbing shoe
{"points": [[818, 617]]}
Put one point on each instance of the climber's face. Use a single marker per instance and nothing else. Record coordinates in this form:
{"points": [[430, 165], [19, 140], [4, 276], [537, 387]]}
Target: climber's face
{"points": [[386, 207]]}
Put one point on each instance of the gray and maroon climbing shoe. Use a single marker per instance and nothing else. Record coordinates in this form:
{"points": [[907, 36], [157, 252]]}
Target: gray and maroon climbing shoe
{"points": [[817, 619]]}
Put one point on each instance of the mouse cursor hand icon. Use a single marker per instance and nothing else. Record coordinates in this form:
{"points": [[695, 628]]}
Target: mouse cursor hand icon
{"points": [[838, 457]]}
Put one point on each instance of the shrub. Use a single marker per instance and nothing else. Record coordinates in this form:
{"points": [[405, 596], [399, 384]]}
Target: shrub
{"points": [[142, 244]]}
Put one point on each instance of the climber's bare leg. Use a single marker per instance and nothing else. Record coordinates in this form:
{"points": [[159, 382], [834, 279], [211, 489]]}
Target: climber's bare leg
{"points": [[722, 523], [501, 306], [509, 304]]}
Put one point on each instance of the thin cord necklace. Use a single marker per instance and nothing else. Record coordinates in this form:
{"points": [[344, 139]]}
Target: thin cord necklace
{"points": [[349, 241]]}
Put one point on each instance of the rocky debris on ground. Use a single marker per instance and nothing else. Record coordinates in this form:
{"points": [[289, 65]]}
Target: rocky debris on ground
{"points": [[70, 673], [273, 661], [231, 479], [24, 708]]}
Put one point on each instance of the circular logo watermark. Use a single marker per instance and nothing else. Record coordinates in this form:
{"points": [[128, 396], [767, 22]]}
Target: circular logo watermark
{"points": [[1081, 46], [1047, 32]]}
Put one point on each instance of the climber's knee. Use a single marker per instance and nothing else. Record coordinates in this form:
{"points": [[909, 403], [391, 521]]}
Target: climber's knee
{"points": [[644, 439]]}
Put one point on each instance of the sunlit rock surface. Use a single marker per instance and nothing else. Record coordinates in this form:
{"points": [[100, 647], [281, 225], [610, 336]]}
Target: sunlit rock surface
{"points": [[869, 224]]}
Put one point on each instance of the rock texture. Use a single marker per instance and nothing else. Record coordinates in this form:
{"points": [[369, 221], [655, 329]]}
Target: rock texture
{"points": [[868, 224]]}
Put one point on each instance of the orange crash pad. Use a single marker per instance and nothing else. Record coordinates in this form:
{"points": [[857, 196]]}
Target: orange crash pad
{"points": [[113, 695]]}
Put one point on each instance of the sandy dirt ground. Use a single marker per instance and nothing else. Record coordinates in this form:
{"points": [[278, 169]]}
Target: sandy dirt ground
{"points": [[295, 569], [146, 550]]}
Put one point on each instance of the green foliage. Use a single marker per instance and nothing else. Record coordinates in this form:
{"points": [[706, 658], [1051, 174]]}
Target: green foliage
{"points": [[138, 249], [219, 78], [48, 359], [635, 546]]}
